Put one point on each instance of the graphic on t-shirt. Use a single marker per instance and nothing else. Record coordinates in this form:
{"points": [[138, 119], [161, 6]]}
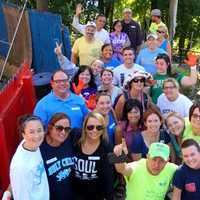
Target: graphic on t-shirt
{"points": [[86, 169]]}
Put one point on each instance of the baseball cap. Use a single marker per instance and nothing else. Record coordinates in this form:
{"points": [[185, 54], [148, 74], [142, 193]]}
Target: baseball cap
{"points": [[159, 149], [153, 35], [127, 10], [156, 12], [90, 23]]}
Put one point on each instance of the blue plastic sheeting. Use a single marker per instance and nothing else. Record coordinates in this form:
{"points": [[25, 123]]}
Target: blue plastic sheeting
{"points": [[66, 43], [3, 34], [46, 30]]}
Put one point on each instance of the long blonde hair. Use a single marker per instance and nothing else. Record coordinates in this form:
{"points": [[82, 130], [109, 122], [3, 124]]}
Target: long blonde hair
{"points": [[101, 119]]}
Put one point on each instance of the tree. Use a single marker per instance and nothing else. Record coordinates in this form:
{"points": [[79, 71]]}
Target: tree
{"points": [[42, 5]]}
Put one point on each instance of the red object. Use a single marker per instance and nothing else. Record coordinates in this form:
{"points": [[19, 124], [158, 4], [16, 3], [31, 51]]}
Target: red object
{"points": [[77, 89], [191, 60], [17, 98]]}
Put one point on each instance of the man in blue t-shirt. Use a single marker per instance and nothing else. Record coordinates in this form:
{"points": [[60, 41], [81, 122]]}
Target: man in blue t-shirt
{"points": [[60, 99], [147, 56], [187, 178]]}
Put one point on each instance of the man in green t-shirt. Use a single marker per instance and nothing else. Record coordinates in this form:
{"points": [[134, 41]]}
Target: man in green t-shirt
{"points": [[147, 179]]}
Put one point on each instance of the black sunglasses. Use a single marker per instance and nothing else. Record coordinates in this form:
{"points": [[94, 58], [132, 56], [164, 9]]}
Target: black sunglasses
{"points": [[61, 128], [136, 80], [98, 127]]}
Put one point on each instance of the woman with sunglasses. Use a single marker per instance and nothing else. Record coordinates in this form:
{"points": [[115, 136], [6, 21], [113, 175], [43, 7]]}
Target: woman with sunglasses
{"points": [[93, 178], [134, 88], [163, 42], [58, 154], [104, 106], [152, 133], [163, 65], [107, 85], [27, 173]]}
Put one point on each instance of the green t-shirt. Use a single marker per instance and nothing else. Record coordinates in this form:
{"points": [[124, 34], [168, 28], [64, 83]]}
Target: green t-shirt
{"points": [[188, 133], [157, 89], [141, 185]]}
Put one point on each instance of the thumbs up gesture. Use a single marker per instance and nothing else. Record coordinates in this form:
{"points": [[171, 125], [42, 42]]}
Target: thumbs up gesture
{"points": [[58, 49]]}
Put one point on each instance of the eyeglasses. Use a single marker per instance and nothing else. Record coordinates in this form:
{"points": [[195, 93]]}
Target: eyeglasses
{"points": [[98, 127], [160, 31], [61, 128], [141, 80], [61, 81], [196, 116], [170, 87], [103, 91]]}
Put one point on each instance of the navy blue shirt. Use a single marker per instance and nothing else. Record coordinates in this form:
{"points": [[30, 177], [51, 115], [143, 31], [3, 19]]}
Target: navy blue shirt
{"points": [[59, 164], [139, 146], [188, 180]]}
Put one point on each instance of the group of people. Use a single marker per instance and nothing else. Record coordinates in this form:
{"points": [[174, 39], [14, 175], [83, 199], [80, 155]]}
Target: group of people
{"points": [[115, 125]]}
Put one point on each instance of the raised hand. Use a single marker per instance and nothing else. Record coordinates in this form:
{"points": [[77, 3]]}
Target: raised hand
{"points": [[7, 195], [77, 89], [91, 102], [191, 59], [121, 148], [79, 9], [58, 49]]}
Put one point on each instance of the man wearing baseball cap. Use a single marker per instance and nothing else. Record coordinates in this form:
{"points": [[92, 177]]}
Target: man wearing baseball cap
{"points": [[148, 178], [132, 29], [156, 21], [87, 48]]}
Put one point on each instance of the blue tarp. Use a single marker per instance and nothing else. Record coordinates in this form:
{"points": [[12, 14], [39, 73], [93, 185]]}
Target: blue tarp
{"points": [[3, 34], [45, 32]]}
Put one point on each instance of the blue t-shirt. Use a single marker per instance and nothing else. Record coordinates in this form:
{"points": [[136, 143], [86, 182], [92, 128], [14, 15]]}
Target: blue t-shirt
{"points": [[59, 164], [113, 62], [147, 59], [111, 128], [139, 146], [74, 106], [187, 180], [86, 92]]}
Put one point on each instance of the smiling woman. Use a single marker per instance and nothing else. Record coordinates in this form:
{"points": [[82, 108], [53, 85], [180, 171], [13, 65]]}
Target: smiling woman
{"points": [[57, 153], [27, 174], [93, 174]]}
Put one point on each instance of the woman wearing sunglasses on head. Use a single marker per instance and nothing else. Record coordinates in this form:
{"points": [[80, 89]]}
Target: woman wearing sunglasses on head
{"points": [[27, 173], [58, 155], [93, 177], [134, 88]]}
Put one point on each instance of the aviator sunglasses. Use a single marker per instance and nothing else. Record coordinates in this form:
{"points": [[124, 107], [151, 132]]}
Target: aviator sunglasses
{"points": [[61, 128], [98, 127]]}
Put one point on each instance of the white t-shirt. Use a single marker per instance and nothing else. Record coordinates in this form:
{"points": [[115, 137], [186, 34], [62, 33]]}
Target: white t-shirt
{"points": [[102, 35], [181, 105], [28, 176], [121, 73]]}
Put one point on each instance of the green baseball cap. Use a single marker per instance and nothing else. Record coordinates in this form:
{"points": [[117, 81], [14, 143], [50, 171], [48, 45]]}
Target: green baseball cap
{"points": [[159, 149]]}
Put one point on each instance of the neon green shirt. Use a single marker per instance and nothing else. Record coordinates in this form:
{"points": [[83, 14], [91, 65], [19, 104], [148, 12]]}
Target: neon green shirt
{"points": [[141, 185], [154, 27], [188, 133]]}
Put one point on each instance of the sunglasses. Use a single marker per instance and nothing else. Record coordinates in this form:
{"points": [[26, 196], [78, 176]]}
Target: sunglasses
{"points": [[141, 80], [98, 127], [160, 31], [61, 128]]}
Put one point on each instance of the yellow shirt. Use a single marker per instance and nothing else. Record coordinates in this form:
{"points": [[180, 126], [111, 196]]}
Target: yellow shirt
{"points": [[141, 185], [154, 27], [87, 51], [188, 133]]}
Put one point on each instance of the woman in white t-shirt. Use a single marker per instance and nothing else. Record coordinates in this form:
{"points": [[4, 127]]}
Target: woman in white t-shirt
{"points": [[27, 174]]}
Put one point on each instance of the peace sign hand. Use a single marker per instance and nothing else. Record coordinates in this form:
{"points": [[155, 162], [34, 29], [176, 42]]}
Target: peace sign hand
{"points": [[121, 148], [58, 49]]}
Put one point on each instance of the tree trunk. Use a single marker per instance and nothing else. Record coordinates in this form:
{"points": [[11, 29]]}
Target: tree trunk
{"points": [[42, 5], [173, 4]]}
